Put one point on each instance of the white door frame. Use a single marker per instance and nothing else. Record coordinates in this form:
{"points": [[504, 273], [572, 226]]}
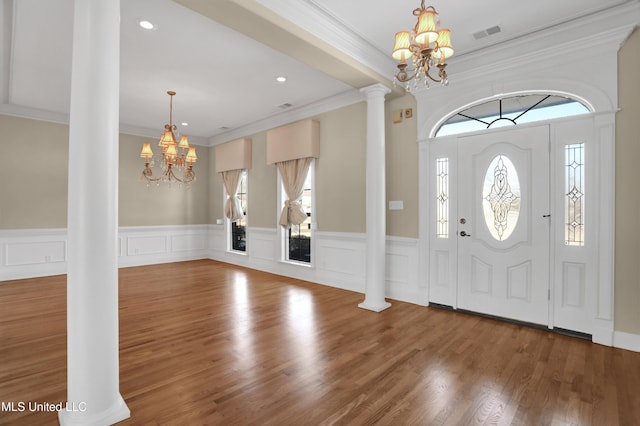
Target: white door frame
{"points": [[597, 131]]}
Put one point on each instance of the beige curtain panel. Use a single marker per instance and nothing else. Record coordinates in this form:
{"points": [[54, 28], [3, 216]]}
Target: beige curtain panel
{"points": [[293, 173], [232, 209]]}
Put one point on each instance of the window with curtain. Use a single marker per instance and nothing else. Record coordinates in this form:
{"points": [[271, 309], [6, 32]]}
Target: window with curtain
{"points": [[235, 186], [237, 232], [296, 177]]}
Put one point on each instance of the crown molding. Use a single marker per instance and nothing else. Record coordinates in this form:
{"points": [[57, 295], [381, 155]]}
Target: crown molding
{"points": [[319, 22], [34, 113], [62, 118], [614, 26], [607, 43], [343, 99]]}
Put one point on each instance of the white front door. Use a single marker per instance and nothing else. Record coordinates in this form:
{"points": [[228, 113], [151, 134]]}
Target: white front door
{"points": [[503, 224], [490, 237]]}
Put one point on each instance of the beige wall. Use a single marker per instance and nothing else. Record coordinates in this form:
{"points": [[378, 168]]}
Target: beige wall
{"points": [[33, 192], [215, 195], [37, 195], [340, 170], [402, 168], [627, 247], [155, 205], [262, 207]]}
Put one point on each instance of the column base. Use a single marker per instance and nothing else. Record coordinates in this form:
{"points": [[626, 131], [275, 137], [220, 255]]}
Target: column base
{"points": [[375, 307], [75, 415]]}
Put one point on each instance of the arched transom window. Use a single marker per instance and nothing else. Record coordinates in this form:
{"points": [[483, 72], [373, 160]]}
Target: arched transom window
{"points": [[509, 111]]}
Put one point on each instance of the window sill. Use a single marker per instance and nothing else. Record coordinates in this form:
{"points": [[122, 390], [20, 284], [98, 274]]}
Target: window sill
{"points": [[297, 263]]}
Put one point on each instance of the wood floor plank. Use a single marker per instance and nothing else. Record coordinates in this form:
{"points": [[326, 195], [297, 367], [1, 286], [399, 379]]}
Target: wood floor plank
{"points": [[204, 342]]}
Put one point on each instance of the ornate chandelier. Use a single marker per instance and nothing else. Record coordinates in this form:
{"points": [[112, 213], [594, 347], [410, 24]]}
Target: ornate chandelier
{"points": [[171, 160], [425, 46]]}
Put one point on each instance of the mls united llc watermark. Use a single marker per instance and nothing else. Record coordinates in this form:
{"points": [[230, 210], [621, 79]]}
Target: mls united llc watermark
{"points": [[21, 406]]}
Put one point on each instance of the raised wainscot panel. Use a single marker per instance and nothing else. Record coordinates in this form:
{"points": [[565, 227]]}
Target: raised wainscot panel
{"points": [[397, 270], [341, 260], [262, 243], [33, 253], [402, 270], [217, 238], [189, 242], [137, 246]]}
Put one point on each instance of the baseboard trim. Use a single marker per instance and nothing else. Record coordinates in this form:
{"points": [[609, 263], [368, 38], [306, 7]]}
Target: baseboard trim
{"points": [[628, 341]]}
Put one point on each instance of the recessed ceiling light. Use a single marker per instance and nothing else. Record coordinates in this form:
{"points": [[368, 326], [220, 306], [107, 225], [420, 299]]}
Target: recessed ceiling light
{"points": [[281, 79], [146, 25], [184, 123]]}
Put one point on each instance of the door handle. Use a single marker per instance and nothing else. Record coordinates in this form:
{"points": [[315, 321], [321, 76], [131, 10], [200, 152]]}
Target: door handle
{"points": [[464, 234]]}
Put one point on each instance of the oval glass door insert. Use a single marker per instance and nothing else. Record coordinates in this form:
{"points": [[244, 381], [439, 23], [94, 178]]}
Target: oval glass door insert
{"points": [[501, 197]]}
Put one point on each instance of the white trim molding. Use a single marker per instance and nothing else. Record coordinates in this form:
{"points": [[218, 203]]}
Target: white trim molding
{"points": [[628, 341]]}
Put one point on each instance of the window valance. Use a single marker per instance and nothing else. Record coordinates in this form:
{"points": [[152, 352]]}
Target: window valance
{"points": [[234, 155], [293, 141]]}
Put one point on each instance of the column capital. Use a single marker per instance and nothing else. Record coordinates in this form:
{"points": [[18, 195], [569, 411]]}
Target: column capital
{"points": [[375, 89]]}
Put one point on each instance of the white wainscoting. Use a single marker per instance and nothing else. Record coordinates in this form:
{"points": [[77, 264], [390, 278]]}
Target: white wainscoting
{"points": [[403, 260], [32, 253], [147, 245], [41, 252], [338, 260]]}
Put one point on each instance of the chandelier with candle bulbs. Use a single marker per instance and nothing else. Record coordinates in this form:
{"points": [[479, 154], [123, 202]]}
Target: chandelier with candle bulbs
{"points": [[426, 47], [177, 156]]}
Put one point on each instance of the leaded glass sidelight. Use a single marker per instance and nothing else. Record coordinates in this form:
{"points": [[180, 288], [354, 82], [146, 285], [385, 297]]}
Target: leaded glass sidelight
{"points": [[501, 197], [442, 198], [574, 195]]}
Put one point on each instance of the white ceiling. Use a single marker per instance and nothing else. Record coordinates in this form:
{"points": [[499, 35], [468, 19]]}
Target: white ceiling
{"points": [[225, 79]]}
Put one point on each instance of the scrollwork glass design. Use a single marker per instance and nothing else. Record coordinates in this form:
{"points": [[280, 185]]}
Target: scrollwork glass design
{"points": [[501, 197]]}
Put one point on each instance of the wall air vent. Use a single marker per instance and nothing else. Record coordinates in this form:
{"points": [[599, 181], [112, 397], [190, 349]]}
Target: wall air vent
{"points": [[487, 32]]}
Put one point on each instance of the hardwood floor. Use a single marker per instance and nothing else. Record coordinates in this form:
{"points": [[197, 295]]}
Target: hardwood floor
{"points": [[208, 343]]}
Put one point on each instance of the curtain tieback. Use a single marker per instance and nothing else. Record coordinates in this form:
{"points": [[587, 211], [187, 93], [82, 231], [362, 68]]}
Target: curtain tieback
{"points": [[290, 204]]}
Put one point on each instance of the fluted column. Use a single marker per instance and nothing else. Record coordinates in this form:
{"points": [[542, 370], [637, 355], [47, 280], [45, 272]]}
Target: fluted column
{"points": [[93, 394], [376, 200]]}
